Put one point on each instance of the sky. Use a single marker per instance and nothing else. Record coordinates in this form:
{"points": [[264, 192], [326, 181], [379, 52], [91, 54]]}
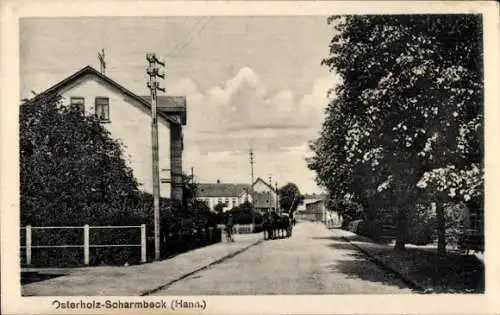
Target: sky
{"points": [[250, 82]]}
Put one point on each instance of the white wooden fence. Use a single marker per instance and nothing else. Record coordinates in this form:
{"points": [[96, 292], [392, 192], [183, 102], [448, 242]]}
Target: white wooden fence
{"points": [[241, 228], [86, 240]]}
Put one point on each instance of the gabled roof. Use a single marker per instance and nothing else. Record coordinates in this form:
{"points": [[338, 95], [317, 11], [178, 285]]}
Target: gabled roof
{"points": [[319, 196], [171, 105], [175, 101], [313, 201], [264, 182], [222, 190]]}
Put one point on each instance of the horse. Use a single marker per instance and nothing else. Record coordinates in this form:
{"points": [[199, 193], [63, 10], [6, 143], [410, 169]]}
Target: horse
{"points": [[268, 226], [285, 225]]}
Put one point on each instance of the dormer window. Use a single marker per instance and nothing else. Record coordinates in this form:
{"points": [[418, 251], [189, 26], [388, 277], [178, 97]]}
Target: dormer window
{"points": [[102, 108], [78, 102]]}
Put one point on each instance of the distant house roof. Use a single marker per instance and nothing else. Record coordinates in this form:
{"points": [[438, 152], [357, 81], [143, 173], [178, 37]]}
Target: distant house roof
{"points": [[171, 105], [222, 190], [322, 196], [312, 201], [166, 104], [264, 182]]}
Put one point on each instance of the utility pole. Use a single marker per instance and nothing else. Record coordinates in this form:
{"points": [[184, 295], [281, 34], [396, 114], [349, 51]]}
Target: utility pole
{"points": [[269, 197], [192, 182], [154, 86], [251, 187], [277, 201]]}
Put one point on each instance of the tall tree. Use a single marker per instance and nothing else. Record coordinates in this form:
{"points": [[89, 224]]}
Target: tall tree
{"points": [[411, 85], [72, 171], [290, 197]]}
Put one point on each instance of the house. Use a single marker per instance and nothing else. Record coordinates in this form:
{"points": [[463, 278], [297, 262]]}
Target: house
{"points": [[266, 196], [232, 195], [127, 116], [316, 209]]}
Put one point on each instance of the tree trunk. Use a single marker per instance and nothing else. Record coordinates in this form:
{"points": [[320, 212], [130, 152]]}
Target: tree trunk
{"points": [[441, 228], [400, 244], [401, 225]]}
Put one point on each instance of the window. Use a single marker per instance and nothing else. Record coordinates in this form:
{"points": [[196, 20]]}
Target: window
{"points": [[102, 108], [78, 102]]}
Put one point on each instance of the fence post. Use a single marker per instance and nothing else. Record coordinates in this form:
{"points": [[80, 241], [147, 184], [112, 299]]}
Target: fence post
{"points": [[86, 251], [143, 243], [28, 244]]}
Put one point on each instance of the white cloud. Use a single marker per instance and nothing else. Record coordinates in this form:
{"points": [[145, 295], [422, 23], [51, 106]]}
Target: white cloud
{"points": [[317, 100], [224, 122], [184, 86], [242, 104]]}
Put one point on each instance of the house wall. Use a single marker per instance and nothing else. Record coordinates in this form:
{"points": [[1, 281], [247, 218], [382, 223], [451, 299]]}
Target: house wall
{"points": [[238, 200], [130, 123], [260, 187], [317, 209]]}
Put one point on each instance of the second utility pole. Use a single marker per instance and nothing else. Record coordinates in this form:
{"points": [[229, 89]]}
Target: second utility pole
{"points": [[153, 85], [252, 191]]}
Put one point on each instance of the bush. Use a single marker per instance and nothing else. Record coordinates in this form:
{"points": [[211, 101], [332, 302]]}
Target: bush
{"points": [[421, 225], [356, 226], [186, 228], [379, 225], [350, 211], [243, 214]]}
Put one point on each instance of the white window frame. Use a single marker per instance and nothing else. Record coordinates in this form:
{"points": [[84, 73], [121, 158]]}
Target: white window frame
{"points": [[98, 105]]}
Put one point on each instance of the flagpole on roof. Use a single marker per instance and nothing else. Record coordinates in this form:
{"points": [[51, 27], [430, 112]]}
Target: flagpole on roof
{"points": [[102, 61]]}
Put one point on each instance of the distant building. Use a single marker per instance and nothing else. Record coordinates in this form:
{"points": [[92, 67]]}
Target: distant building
{"points": [[312, 210], [266, 196], [233, 195], [316, 210]]}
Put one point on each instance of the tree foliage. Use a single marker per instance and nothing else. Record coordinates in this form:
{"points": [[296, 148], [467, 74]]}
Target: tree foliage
{"points": [[72, 171], [290, 197], [408, 111], [219, 207], [244, 214]]}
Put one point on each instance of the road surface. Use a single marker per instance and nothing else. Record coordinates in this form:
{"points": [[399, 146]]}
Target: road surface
{"points": [[313, 261]]}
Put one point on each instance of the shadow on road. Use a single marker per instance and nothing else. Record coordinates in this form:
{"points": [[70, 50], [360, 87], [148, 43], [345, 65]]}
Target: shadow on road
{"points": [[364, 270], [363, 267], [334, 238], [341, 246], [451, 273], [353, 238], [30, 277]]}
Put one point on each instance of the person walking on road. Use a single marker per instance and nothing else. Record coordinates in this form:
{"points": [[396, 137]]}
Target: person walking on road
{"points": [[229, 228]]}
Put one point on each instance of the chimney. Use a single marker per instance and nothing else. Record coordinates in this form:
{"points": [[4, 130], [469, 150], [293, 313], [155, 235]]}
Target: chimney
{"points": [[176, 147]]}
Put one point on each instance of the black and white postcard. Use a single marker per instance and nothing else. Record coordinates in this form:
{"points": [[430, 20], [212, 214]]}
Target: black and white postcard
{"points": [[249, 157]]}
